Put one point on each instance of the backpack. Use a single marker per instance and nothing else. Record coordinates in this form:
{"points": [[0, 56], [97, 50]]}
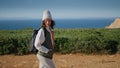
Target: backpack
{"points": [[32, 48]]}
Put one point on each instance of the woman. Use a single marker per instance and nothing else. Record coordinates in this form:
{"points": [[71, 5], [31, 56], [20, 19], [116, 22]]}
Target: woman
{"points": [[44, 41]]}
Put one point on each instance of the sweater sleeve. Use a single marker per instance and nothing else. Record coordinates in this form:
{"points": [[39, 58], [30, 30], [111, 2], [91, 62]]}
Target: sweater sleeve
{"points": [[40, 38]]}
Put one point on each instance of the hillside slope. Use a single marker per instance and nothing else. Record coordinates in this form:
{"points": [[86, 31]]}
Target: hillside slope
{"points": [[115, 24]]}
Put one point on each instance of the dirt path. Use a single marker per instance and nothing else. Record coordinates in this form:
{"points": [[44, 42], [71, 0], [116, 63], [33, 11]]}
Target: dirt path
{"points": [[62, 61]]}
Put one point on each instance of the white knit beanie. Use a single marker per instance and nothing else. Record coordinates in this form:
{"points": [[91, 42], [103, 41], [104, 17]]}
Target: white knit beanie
{"points": [[46, 14]]}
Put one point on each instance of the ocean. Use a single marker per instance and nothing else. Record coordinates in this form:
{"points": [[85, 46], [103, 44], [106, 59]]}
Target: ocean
{"points": [[60, 23]]}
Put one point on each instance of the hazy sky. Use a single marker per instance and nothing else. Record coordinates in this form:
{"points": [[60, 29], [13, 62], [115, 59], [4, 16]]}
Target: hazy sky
{"points": [[33, 9]]}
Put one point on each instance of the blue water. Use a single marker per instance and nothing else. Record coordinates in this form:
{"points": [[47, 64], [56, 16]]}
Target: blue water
{"points": [[60, 23]]}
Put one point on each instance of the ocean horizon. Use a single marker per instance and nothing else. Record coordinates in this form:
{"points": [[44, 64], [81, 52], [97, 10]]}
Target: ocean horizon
{"points": [[60, 23]]}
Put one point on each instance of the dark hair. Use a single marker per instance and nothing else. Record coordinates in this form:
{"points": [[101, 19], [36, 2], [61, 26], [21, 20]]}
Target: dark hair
{"points": [[52, 24]]}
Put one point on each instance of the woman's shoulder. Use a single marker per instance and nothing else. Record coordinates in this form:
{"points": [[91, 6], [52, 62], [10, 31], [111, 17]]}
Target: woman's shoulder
{"points": [[41, 29]]}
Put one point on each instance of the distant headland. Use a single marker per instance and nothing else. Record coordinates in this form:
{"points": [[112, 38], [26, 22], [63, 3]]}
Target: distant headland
{"points": [[115, 24]]}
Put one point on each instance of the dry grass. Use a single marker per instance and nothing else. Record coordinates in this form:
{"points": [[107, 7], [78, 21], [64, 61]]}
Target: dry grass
{"points": [[62, 61]]}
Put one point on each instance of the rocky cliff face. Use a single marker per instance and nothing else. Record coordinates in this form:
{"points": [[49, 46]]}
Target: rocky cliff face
{"points": [[115, 24]]}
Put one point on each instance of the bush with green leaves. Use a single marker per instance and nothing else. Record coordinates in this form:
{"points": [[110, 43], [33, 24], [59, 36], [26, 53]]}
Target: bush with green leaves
{"points": [[14, 41], [88, 41]]}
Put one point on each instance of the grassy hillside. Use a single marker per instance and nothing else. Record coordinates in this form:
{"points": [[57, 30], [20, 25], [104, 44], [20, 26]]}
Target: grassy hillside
{"points": [[89, 41]]}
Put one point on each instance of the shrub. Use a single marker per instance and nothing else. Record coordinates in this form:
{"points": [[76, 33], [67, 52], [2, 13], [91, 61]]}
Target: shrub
{"points": [[89, 41]]}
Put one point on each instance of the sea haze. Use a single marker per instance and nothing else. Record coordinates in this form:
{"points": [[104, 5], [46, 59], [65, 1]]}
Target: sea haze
{"points": [[60, 23]]}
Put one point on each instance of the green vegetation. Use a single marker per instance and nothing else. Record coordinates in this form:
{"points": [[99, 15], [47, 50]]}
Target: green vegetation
{"points": [[88, 41], [14, 41]]}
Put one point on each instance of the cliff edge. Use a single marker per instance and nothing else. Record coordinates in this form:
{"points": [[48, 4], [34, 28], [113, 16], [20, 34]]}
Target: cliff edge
{"points": [[115, 24]]}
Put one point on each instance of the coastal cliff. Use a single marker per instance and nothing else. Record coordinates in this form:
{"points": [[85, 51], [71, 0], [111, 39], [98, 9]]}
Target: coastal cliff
{"points": [[115, 24]]}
